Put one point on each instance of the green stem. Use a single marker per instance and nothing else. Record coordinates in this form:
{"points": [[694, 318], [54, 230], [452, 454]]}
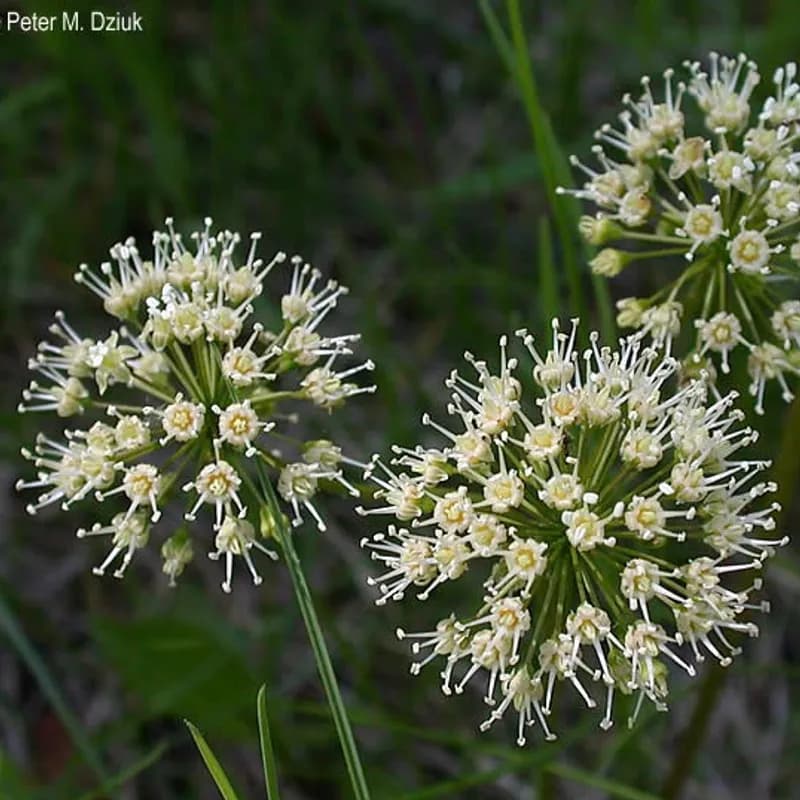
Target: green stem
{"points": [[275, 524], [681, 767], [786, 471], [324, 665]]}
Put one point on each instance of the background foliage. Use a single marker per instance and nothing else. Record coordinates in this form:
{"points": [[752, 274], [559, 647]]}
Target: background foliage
{"points": [[388, 142]]}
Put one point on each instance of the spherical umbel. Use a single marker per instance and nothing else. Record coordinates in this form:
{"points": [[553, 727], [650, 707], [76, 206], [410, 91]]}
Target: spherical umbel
{"points": [[611, 509], [718, 206], [187, 386]]}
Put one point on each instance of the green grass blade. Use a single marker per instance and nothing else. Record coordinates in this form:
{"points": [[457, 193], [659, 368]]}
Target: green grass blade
{"points": [[547, 150], [267, 755], [213, 765], [49, 687], [608, 321], [548, 275], [554, 165], [121, 778], [503, 46], [612, 788]]}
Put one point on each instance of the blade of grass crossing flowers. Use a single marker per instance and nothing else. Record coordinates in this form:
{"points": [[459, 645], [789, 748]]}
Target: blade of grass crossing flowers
{"points": [[553, 163], [278, 526], [545, 149], [267, 755], [550, 304], [213, 765], [49, 687]]}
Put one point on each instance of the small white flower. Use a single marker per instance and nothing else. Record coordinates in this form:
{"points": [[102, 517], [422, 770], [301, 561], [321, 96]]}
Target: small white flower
{"points": [[487, 534], [177, 553], [586, 530], [297, 484], [543, 441], [525, 561], [239, 424], [641, 448], [182, 420], [453, 513], [236, 537], [141, 485], [128, 532], [503, 491], [216, 484], [749, 251], [720, 334], [703, 223], [562, 491], [769, 362], [131, 433], [662, 321], [786, 323]]}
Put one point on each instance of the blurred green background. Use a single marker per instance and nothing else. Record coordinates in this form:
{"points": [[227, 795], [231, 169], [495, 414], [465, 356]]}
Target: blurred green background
{"points": [[386, 141]]}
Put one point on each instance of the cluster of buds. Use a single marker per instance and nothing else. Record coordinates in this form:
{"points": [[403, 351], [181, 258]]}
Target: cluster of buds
{"points": [[607, 506], [187, 386], [724, 203]]}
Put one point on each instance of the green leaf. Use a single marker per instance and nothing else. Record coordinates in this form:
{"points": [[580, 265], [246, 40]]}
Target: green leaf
{"points": [[214, 767], [12, 780], [267, 755], [179, 668]]}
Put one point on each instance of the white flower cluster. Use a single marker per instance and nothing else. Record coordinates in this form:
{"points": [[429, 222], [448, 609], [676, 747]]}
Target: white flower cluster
{"points": [[724, 202], [608, 509], [188, 384]]}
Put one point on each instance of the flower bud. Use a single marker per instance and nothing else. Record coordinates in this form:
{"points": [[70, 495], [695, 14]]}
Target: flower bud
{"points": [[609, 262], [630, 310], [598, 230]]}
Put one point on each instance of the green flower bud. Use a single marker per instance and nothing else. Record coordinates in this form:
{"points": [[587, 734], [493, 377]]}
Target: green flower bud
{"points": [[630, 310], [598, 230], [609, 262]]}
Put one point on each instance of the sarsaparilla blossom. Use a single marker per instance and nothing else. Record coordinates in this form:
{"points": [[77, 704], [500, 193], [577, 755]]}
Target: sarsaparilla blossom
{"points": [[693, 174], [612, 510], [179, 399]]}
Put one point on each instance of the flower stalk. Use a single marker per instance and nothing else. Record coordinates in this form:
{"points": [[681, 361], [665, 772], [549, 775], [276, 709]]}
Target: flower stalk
{"points": [[275, 524]]}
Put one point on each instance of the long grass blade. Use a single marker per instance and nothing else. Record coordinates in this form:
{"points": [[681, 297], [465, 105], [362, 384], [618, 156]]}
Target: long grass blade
{"points": [[548, 274], [213, 765], [267, 754], [555, 171], [546, 149]]}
